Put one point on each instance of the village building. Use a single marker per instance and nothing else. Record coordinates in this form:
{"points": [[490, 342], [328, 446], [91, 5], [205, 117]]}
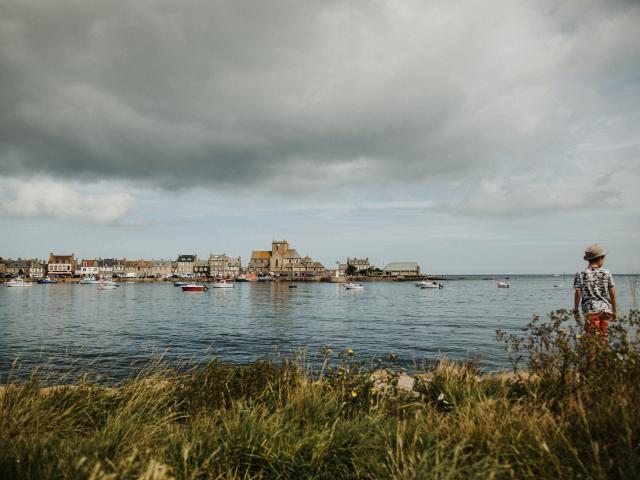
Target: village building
{"points": [[161, 268], [201, 268], [88, 267], [402, 269], [3, 266], [311, 266], [111, 267], [61, 265], [27, 268], [282, 260], [220, 265], [358, 265], [185, 264], [137, 268]]}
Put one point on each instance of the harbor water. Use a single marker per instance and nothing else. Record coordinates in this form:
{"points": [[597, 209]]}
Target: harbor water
{"points": [[115, 333]]}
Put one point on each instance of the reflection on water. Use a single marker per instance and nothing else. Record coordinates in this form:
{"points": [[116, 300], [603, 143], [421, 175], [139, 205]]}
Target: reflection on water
{"points": [[59, 324]]}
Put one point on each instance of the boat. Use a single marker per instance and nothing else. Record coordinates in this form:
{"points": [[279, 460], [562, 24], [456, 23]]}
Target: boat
{"points": [[503, 285], [107, 285], [89, 281], [249, 277], [266, 278], [18, 282], [293, 286], [431, 285], [46, 281], [180, 284], [353, 286], [556, 274], [194, 287], [222, 284]]}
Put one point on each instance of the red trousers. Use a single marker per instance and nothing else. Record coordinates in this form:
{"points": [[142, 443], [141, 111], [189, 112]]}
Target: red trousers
{"points": [[599, 321]]}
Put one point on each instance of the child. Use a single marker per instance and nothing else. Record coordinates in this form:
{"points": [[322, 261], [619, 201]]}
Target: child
{"points": [[595, 292]]}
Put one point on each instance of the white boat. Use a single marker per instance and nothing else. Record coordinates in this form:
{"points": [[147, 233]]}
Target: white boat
{"points": [[222, 284], [89, 281], [18, 282], [428, 284], [503, 285], [353, 286], [107, 285]]}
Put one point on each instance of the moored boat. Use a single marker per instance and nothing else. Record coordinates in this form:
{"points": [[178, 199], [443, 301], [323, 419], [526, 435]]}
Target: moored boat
{"points": [[194, 287], [18, 282], [431, 285], [46, 281], [503, 285], [249, 277], [107, 286], [353, 286], [89, 281], [180, 284], [222, 284]]}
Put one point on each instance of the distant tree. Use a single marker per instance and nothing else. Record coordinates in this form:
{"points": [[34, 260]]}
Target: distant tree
{"points": [[352, 269]]}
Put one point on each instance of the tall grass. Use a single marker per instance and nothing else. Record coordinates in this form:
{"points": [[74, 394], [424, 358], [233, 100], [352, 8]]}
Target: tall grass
{"points": [[572, 413]]}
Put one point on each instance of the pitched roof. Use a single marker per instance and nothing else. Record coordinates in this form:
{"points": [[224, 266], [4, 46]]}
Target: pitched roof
{"points": [[291, 253], [401, 266], [61, 258], [265, 254]]}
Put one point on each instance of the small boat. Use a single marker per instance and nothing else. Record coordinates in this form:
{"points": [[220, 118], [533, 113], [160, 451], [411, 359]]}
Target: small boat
{"points": [[180, 284], [249, 277], [46, 281], [353, 286], [222, 284], [194, 287], [18, 282], [431, 285], [293, 286], [107, 285], [503, 285], [556, 274], [89, 281], [266, 278]]}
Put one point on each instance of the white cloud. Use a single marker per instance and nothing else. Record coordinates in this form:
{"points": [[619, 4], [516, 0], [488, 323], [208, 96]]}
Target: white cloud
{"points": [[51, 198]]}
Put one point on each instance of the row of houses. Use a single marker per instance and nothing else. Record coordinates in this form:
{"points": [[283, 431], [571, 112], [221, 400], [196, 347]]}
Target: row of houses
{"points": [[281, 260], [217, 265]]}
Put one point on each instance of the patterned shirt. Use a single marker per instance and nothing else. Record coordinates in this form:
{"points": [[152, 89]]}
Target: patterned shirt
{"points": [[594, 285]]}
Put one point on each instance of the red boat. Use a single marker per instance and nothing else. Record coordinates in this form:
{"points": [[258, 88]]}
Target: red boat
{"points": [[194, 287]]}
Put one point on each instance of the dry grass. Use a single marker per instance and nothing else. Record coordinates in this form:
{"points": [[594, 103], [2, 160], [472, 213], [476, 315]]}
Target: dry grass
{"points": [[575, 416]]}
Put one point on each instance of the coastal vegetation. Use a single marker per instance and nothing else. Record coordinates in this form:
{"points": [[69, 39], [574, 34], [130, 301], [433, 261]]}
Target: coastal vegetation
{"points": [[569, 409]]}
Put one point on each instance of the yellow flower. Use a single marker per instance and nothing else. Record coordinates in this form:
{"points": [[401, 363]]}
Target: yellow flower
{"points": [[350, 352], [354, 394], [578, 337]]}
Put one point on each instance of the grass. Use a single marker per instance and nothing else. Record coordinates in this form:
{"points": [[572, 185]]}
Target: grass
{"points": [[571, 413]]}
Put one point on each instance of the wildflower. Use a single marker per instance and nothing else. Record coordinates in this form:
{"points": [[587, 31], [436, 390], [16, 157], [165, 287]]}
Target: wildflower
{"points": [[578, 337], [354, 394], [562, 330], [441, 397], [350, 352]]}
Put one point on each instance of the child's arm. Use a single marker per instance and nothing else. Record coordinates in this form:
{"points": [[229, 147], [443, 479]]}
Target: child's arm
{"points": [[576, 304], [614, 300]]}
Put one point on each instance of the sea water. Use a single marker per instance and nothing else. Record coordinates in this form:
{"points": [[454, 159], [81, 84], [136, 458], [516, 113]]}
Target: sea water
{"points": [[67, 326]]}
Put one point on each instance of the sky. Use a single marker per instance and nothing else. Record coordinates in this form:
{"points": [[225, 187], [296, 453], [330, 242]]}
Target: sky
{"points": [[471, 136]]}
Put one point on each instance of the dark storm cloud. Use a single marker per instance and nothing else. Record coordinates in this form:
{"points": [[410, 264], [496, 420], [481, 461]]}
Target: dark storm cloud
{"points": [[299, 95]]}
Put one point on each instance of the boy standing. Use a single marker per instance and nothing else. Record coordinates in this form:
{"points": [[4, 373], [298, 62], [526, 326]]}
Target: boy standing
{"points": [[595, 292]]}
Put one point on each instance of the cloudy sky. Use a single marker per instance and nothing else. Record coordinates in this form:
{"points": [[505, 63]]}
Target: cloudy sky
{"points": [[474, 137]]}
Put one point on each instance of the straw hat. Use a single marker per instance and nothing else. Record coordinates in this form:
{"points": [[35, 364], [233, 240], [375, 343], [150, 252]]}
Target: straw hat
{"points": [[593, 252]]}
